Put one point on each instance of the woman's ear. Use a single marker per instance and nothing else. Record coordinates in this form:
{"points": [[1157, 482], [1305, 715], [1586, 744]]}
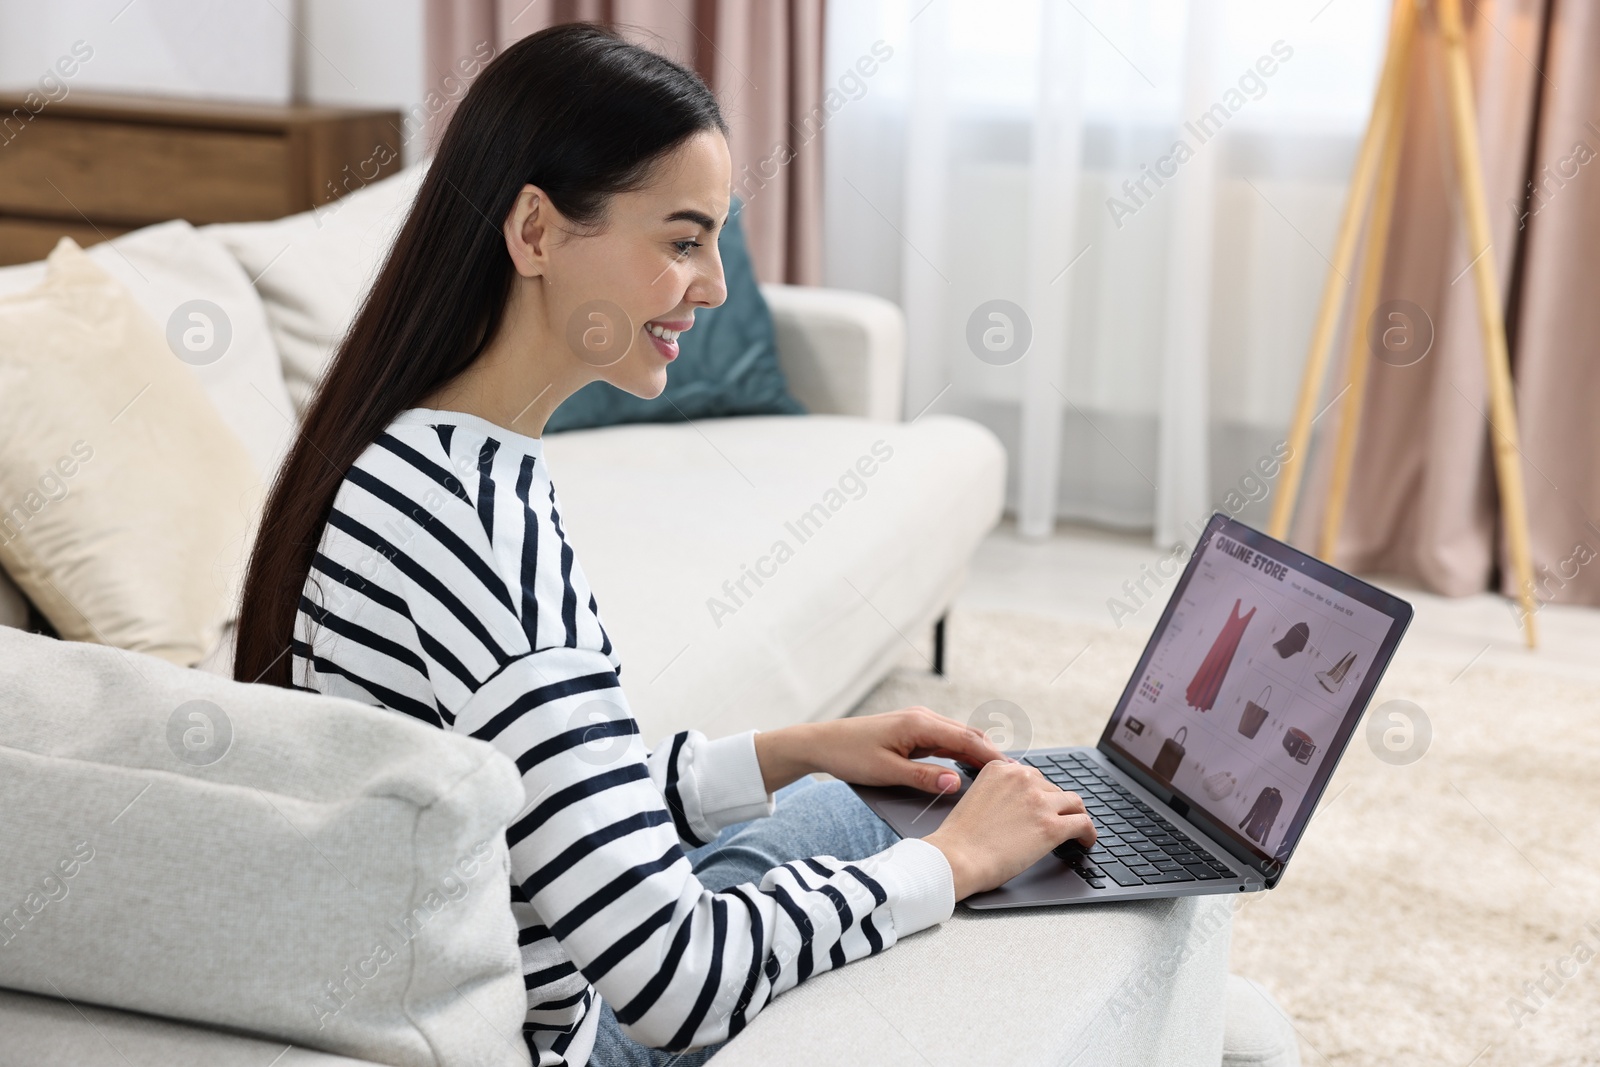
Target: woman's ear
{"points": [[527, 231]]}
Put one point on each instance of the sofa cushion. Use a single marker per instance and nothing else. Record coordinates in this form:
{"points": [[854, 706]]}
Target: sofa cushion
{"points": [[313, 269], [764, 571], [167, 267], [128, 503], [727, 365], [280, 863]]}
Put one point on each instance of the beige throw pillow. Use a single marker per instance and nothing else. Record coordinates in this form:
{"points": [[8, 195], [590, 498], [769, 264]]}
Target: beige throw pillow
{"points": [[126, 505], [13, 605], [173, 271]]}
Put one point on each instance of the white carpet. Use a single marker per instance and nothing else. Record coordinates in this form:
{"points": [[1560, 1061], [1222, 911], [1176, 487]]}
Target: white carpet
{"points": [[1423, 897]]}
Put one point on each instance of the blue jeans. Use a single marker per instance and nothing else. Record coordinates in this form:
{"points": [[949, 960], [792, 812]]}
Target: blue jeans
{"points": [[811, 818]]}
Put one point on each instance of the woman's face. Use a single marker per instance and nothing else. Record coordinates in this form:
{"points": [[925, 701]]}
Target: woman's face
{"points": [[620, 296]]}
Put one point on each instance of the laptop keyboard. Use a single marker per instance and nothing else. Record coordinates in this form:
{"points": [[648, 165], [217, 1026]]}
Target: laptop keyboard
{"points": [[1135, 846]]}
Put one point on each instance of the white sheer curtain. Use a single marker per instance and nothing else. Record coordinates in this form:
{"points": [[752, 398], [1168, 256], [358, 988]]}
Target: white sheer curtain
{"points": [[1027, 151]]}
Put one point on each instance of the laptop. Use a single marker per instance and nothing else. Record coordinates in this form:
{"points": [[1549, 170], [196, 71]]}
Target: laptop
{"points": [[1224, 739]]}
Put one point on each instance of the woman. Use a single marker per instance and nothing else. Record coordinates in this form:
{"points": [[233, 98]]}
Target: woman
{"points": [[412, 556]]}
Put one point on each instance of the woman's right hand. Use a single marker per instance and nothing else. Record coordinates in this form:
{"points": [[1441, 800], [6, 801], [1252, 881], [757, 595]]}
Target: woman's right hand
{"points": [[1010, 817]]}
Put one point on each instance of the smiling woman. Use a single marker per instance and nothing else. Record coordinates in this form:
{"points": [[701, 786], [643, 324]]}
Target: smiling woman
{"points": [[412, 556], [727, 365], [537, 250], [592, 300]]}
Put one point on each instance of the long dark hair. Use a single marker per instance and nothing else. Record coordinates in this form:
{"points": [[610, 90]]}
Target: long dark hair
{"points": [[573, 109]]}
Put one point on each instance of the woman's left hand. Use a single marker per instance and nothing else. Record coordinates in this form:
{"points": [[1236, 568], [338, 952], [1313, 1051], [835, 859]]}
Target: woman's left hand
{"points": [[875, 750]]}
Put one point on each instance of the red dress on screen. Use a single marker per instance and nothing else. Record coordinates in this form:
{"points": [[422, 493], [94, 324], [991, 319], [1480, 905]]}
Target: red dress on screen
{"points": [[1207, 682]]}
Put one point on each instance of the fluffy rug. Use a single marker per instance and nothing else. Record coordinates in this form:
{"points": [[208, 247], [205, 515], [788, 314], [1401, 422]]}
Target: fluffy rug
{"points": [[1441, 912]]}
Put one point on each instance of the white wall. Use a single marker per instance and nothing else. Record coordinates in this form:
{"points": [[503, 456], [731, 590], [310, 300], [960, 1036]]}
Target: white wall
{"points": [[367, 53], [239, 50]]}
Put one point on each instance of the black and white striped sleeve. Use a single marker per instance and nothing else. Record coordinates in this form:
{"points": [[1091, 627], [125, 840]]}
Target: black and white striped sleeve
{"points": [[597, 854], [598, 850]]}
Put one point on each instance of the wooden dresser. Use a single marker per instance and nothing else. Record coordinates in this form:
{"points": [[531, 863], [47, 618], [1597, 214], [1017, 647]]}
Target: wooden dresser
{"points": [[96, 165]]}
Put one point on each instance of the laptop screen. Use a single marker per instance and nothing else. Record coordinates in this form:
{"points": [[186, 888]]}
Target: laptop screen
{"points": [[1253, 682]]}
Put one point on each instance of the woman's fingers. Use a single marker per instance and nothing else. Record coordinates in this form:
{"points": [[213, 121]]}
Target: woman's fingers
{"points": [[1075, 818], [953, 740], [1079, 828], [1069, 803], [932, 778]]}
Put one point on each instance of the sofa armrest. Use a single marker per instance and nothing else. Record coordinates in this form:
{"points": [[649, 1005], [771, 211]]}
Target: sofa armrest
{"points": [[842, 352], [1140, 983], [400, 810], [43, 1029]]}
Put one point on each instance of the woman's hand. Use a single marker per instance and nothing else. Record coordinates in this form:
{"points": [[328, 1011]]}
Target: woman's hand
{"points": [[1007, 821], [874, 750]]}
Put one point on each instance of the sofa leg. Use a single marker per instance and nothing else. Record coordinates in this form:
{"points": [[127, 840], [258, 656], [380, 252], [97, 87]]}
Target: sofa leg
{"points": [[938, 646]]}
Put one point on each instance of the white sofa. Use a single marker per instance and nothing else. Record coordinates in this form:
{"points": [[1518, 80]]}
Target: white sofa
{"points": [[668, 519], [220, 897]]}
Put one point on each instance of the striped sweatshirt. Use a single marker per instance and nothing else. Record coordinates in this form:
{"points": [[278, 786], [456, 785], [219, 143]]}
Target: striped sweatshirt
{"points": [[443, 587]]}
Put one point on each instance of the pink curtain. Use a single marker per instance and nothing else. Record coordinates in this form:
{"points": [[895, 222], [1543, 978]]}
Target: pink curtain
{"points": [[1557, 317], [1423, 500], [763, 59]]}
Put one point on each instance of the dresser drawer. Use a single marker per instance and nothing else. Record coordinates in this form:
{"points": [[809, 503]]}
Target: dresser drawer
{"points": [[95, 165], [134, 175]]}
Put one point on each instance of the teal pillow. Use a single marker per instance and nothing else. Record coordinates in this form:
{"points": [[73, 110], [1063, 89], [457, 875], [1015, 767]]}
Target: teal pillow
{"points": [[726, 365]]}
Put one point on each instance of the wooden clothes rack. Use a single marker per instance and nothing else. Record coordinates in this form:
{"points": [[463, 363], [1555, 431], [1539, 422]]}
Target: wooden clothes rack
{"points": [[1373, 185]]}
